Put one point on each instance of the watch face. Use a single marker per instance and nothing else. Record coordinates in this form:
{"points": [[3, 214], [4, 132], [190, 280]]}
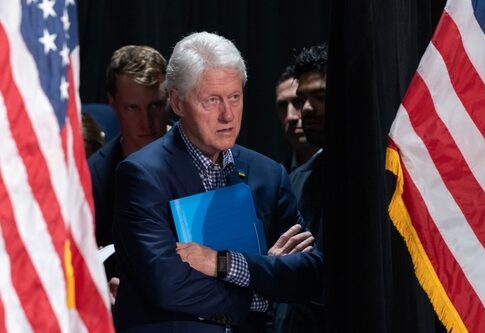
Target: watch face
{"points": [[221, 264]]}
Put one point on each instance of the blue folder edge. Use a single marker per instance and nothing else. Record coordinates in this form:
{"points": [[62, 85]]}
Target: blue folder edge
{"points": [[222, 219]]}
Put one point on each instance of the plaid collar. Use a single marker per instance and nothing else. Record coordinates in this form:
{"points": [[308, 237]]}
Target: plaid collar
{"points": [[212, 175]]}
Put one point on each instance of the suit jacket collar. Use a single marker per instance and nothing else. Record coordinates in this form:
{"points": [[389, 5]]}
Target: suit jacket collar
{"points": [[181, 163], [185, 170], [108, 148], [106, 159], [314, 162]]}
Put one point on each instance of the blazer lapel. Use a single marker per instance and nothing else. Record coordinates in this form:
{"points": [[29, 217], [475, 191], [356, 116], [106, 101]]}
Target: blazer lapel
{"points": [[104, 166], [181, 163]]}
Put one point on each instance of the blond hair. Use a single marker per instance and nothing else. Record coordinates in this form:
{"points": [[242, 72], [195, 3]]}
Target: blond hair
{"points": [[142, 64]]}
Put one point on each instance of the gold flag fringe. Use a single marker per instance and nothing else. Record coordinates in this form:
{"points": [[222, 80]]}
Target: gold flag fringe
{"points": [[423, 268]]}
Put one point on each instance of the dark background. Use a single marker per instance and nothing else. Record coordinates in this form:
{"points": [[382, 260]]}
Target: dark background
{"points": [[374, 49], [266, 32]]}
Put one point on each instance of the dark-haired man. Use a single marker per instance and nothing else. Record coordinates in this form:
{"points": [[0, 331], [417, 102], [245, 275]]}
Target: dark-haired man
{"points": [[310, 69]]}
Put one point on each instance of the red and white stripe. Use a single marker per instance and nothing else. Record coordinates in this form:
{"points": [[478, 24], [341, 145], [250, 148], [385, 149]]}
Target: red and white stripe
{"points": [[439, 131], [45, 199]]}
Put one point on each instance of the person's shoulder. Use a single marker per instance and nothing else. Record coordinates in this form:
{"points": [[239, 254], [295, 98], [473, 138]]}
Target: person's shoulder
{"points": [[109, 150], [309, 165], [154, 153], [145, 153]]}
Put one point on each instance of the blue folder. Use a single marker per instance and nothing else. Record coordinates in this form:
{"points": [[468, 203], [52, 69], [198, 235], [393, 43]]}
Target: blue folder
{"points": [[223, 219]]}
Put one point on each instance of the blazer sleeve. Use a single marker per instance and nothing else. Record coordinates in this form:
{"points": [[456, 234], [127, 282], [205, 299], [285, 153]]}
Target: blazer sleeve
{"points": [[288, 279], [291, 278], [145, 246]]}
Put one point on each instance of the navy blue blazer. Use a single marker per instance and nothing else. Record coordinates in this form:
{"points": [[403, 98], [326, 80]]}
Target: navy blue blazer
{"points": [[159, 292], [102, 166], [307, 184]]}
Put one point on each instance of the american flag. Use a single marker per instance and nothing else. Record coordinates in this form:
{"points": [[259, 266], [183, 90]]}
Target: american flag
{"points": [[437, 151], [51, 279]]}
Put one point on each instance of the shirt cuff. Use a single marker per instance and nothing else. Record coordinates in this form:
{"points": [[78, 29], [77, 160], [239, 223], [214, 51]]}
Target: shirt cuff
{"points": [[259, 303], [238, 273]]}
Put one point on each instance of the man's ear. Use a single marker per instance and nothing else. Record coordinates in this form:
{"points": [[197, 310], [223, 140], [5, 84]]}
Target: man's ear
{"points": [[175, 102], [111, 100], [112, 103]]}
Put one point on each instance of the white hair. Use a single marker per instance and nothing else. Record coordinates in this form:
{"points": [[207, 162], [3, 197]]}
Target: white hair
{"points": [[198, 52]]}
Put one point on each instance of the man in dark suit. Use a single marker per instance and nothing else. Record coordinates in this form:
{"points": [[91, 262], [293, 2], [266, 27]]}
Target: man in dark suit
{"points": [[135, 82], [310, 69], [171, 287]]}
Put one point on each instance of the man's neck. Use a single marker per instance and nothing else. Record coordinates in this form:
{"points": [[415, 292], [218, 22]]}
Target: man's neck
{"points": [[216, 157]]}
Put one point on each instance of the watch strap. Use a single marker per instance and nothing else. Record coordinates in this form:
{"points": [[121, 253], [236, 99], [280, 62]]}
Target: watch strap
{"points": [[222, 264]]}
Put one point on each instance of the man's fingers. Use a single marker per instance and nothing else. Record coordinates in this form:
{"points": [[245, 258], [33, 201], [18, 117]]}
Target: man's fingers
{"points": [[293, 230], [287, 235], [304, 244], [295, 240], [183, 245], [309, 248], [183, 250], [273, 251], [183, 257], [113, 289]]}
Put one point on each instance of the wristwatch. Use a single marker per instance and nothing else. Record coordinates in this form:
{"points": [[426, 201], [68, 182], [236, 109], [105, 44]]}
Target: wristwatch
{"points": [[222, 264]]}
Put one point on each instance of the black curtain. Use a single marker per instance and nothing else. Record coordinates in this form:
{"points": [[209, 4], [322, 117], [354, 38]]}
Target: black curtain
{"points": [[374, 50], [266, 32]]}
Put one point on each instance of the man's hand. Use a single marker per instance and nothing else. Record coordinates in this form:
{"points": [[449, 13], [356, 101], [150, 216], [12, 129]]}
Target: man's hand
{"points": [[292, 241], [113, 289], [199, 257]]}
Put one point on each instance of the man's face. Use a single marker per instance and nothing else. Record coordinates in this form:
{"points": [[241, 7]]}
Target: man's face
{"points": [[289, 106], [211, 114], [311, 89], [140, 112]]}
